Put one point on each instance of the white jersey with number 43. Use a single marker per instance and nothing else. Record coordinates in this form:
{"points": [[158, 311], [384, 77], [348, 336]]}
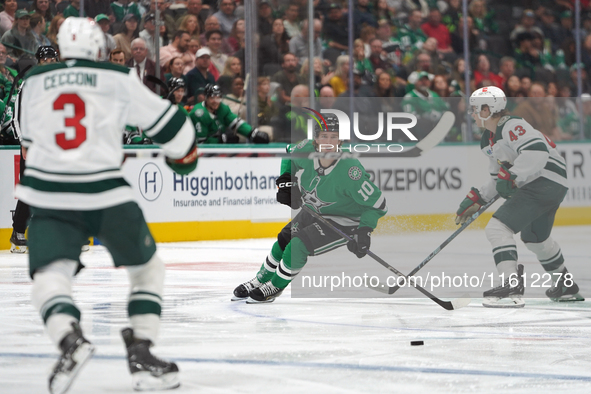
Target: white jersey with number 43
{"points": [[526, 151], [72, 118]]}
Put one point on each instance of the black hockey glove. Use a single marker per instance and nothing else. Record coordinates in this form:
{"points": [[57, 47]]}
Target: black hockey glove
{"points": [[289, 191], [259, 137], [228, 138], [361, 241]]}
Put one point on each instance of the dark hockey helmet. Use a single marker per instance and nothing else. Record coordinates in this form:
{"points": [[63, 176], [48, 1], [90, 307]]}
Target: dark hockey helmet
{"points": [[174, 84], [45, 52], [332, 124], [212, 90]]}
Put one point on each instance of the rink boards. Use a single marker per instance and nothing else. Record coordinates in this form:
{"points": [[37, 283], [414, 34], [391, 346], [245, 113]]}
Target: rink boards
{"points": [[231, 195]]}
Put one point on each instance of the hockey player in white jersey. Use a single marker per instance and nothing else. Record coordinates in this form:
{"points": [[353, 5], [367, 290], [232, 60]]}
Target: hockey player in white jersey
{"points": [[71, 126], [527, 171]]}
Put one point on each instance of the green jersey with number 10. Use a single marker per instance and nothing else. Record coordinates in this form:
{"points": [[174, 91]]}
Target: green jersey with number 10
{"points": [[341, 192]]}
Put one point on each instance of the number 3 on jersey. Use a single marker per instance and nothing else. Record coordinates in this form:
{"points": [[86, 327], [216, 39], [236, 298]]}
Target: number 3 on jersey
{"points": [[79, 113]]}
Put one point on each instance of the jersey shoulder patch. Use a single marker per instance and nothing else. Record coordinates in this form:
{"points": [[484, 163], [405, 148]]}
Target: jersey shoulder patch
{"points": [[355, 173]]}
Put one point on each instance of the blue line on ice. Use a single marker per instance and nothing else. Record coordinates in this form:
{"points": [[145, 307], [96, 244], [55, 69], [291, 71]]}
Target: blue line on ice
{"points": [[377, 368]]}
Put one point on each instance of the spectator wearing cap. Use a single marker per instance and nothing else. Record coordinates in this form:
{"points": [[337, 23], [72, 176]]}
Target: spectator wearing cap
{"points": [[94, 8], [7, 16], [176, 48], [199, 77], [214, 43], [148, 34], [291, 22], [298, 45], [265, 18], [566, 28], [527, 25], [141, 64], [335, 31], [105, 24], [73, 9], [434, 28], [424, 103], [122, 8], [226, 16], [129, 31], [362, 16], [551, 29], [20, 39]]}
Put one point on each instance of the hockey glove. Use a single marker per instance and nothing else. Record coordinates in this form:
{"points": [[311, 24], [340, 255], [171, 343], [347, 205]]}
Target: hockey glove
{"points": [[506, 183], [186, 165], [289, 191], [259, 137], [361, 241], [228, 138], [469, 206]]}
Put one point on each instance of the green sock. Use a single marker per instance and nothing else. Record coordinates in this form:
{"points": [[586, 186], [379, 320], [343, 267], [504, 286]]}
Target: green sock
{"points": [[295, 257], [266, 271]]}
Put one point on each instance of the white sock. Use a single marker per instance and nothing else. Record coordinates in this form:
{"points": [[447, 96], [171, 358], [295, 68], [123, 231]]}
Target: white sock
{"points": [[146, 326]]}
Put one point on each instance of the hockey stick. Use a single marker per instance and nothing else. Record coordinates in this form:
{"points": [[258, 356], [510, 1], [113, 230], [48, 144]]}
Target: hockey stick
{"points": [[158, 81], [391, 290], [449, 305], [17, 78]]}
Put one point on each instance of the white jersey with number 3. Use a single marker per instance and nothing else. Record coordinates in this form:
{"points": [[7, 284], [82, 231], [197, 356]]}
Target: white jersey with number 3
{"points": [[72, 118]]}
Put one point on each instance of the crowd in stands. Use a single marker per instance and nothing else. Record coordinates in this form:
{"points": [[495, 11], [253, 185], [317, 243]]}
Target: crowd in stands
{"points": [[411, 51]]}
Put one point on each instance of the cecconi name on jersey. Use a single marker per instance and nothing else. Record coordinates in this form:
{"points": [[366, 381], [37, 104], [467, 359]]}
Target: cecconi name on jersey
{"points": [[80, 78]]}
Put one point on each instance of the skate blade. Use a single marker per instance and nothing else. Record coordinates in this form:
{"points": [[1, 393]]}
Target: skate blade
{"points": [[234, 298], [509, 302], [18, 249], [569, 298], [253, 301], [62, 382], [144, 381]]}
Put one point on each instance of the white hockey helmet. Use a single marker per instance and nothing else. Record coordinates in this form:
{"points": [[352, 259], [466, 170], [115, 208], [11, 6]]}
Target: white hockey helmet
{"points": [[80, 38], [490, 96]]}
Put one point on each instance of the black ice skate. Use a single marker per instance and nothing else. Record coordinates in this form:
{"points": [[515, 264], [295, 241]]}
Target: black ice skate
{"points": [[18, 243], [559, 292], [147, 371], [505, 295], [266, 293], [76, 351], [242, 291]]}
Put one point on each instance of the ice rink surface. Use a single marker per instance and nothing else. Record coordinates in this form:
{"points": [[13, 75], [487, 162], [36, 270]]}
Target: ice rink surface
{"points": [[312, 345]]}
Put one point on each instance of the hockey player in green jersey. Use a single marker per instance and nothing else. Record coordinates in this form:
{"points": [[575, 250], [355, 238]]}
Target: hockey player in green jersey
{"points": [[338, 189], [526, 170], [211, 118]]}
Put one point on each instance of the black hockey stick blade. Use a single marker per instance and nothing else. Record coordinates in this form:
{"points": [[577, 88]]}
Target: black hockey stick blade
{"points": [[470, 220], [449, 305], [158, 81]]}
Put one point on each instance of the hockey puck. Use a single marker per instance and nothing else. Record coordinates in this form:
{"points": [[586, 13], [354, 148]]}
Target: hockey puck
{"points": [[416, 343]]}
